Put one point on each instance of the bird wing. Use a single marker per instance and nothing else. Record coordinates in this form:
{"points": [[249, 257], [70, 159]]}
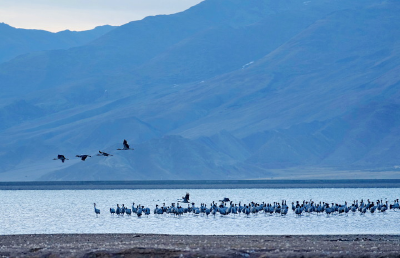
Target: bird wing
{"points": [[126, 145]]}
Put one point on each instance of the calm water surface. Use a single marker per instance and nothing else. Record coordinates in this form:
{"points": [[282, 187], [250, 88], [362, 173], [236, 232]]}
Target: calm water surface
{"points": [[71, 211]]}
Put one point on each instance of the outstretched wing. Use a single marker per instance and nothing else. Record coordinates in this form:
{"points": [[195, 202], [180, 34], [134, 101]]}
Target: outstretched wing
{"points": [[126, 145]]}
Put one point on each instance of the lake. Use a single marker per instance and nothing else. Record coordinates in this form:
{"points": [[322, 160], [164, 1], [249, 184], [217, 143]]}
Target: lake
{"points": [[71, 211]]}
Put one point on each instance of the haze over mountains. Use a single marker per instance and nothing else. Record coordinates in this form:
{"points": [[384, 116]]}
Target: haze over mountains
{"points": [[228, 89]]}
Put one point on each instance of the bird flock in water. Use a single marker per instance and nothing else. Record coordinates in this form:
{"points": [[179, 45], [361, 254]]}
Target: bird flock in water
{"points": [[101, 153], [227, 207]]}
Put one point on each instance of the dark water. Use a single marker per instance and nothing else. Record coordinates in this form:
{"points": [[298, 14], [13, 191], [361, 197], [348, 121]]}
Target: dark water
{"points": [[201, 184]]}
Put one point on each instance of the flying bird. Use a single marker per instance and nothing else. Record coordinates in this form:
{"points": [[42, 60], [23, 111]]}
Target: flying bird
{"points": [[103, 154], [126, 146], [83, 157], [185, 199], [61, 157]]}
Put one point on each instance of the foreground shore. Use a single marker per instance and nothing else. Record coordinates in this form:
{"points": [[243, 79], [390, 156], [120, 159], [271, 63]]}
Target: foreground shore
{"points": [[148, 245]]}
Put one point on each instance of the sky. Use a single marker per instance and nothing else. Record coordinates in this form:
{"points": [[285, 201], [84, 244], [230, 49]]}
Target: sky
{"points": [[58, 15]]}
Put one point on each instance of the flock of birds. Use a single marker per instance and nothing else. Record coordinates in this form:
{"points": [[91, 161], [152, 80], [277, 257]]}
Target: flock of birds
{"points": [[101, 153], [226, 207]]}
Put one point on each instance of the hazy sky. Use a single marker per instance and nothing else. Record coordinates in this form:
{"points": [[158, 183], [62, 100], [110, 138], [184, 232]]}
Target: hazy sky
{"points": [[57, 15]]}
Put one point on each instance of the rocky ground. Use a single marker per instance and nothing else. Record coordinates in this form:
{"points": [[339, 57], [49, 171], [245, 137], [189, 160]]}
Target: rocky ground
{"points": [[138, 245]]}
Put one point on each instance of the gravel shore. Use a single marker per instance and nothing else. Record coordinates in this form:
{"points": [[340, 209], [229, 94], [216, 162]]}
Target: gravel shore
{"points": [[148, 245]]}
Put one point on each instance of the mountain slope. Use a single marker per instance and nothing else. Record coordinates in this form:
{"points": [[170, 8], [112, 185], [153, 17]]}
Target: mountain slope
{"points": [[136, 49], [223, 96]]}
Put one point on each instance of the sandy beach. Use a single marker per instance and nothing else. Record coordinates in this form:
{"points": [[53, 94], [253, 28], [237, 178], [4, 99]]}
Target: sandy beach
{"points": [[148, 245]]}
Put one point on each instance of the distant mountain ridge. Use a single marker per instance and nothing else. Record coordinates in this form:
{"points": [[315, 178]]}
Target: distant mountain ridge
{"points": [[15, 42], [232, 89]]}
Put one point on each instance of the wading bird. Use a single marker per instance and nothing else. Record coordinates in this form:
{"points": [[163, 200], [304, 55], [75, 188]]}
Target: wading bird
{"points": [[97, 211]]}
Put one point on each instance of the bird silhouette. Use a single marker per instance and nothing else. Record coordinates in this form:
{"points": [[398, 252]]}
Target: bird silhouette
{"points": [[103, 154], [83, 157], [97, 211], [126, 146], [61, 157], [185, 199]]}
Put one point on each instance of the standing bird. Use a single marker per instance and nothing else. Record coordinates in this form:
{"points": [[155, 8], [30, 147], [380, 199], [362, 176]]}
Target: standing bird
{"points": [[61, 157], [126, 146], [83, 157], [103, 154], [97, 211]]}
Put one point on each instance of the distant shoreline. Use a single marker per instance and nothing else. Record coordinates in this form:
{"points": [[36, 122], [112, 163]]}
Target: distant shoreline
{"points": [[199, 184]]}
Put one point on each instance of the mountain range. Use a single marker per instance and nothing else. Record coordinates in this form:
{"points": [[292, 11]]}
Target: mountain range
{"points": [[228, 89], [15, 42]]}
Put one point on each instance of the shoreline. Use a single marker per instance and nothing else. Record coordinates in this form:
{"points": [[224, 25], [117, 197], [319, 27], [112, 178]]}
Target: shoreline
{"points": [[199, 184], [151, 245]]}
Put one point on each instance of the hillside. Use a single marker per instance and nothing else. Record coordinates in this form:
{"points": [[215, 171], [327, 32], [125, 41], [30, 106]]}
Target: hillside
{"points": [[224, 90]]}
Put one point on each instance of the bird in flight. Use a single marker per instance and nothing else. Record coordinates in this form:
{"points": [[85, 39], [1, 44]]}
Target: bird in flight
{"points": [[185, 199], [103, 154], [61, 157], [126, 146], [83, 157]]}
